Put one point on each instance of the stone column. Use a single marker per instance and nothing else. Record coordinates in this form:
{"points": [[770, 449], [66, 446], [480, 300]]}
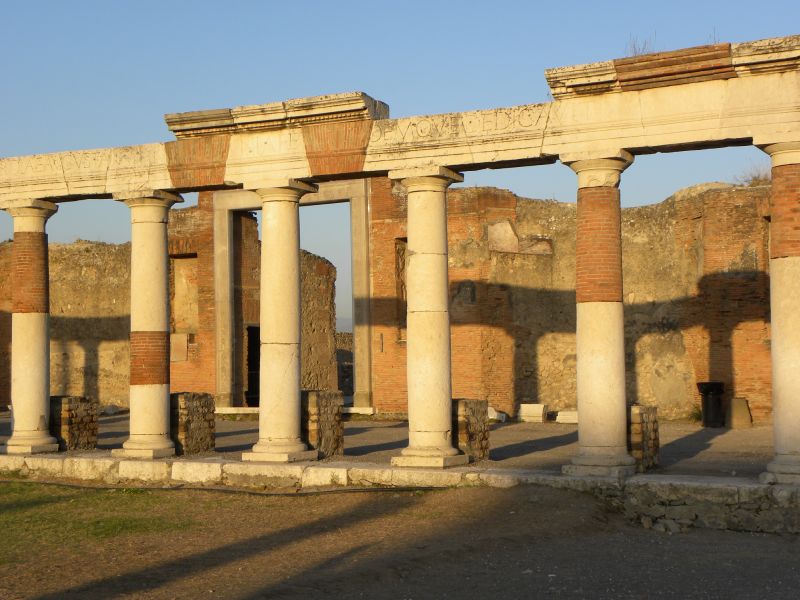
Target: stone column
{"points": [[30, 335], [279, 408], [149, 345], [430, 399], [600, 333], [784, 277]]}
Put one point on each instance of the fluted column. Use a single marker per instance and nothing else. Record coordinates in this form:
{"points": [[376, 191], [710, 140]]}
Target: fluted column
{"points": [[149, 341], [30, 336], [279, 407], [784, 277], [600, 332], [430, 442]]}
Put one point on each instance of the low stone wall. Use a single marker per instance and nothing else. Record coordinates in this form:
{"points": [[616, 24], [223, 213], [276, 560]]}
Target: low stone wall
{"points": [[321, 421], [662, 502], [191, 423], [73, 422], [675, 504], [643, 441], [471, 427]]}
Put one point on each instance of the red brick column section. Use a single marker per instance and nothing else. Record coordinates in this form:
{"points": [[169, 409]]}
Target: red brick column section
{"points": [[29, 273], [149, 357], [784, 275], [785, 218], [600, 324], [30, 342], [598, 276], [149, 338]]}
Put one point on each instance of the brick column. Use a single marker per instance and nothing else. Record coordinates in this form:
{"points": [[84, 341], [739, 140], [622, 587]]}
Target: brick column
{"points": [[784, 275], [279, 408], [149, 345], [600, 332], [30, 336], [430, 399]]}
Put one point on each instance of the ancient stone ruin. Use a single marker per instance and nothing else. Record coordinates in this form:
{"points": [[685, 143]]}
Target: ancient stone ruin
{"points": [[502, 284]]}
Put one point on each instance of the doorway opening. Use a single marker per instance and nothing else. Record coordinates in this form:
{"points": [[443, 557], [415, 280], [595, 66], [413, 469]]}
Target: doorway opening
{"points": [[253, 362]]}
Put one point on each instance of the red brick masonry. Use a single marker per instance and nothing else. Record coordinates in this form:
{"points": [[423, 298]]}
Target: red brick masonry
{"points": [[599, 246], [149, 357], [785, 228], [29, 273]]}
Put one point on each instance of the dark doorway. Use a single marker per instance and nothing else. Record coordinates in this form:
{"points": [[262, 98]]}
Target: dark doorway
{"points": [[253, 363]]}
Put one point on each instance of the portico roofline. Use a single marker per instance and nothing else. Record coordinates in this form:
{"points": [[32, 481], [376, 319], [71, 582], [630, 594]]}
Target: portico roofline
{"points": [[721, 95]]}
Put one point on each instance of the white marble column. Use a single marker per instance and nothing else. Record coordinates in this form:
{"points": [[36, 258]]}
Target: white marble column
{"points": [[600, 330], [279, 407], [30, 335], [430, 400], [149, 341], [784, 276]]}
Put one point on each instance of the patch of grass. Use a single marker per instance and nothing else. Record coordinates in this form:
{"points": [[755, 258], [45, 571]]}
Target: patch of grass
{"points": [[49, 516], [696, 415]]}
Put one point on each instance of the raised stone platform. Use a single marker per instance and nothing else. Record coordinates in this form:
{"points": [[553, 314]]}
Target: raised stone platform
{"points": [[670, 503]]}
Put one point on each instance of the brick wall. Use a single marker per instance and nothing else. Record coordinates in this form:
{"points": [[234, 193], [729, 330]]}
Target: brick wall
{"points": [[695, 288]]}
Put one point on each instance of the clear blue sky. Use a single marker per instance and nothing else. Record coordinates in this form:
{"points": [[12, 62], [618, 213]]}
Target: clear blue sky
{"points": [[90, 74]]}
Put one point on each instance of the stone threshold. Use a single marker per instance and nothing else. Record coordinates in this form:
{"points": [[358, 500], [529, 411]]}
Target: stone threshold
{"points": [[670, 503]]}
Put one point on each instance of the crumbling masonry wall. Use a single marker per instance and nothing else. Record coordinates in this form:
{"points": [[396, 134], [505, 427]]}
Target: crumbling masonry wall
{"points": [[696, 297]]}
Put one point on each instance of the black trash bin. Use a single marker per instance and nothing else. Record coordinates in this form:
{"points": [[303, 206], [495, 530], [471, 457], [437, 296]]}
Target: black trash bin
{"points": [[713, 413]]}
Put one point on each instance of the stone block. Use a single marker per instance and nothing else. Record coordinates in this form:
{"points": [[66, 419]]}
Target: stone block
{"points": [[91, 468], [425, 478], [321, 421], [197, 471], [73, 422], [532, 413], [370, 476], [148, 471], [191, 422], [319, 476], [10, 463], [739, 414], [52, 466], [262, 475], [471, 427], [567, 416]]}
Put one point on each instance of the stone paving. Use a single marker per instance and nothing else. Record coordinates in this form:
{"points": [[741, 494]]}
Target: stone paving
{"points": [[686, 448]]}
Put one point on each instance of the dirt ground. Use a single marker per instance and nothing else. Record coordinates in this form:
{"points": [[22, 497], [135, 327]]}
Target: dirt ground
{"points": [[525, 542]]}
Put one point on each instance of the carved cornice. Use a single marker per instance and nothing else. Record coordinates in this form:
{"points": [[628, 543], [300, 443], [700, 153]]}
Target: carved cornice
{"points": [[689, 65], [349, 106]]}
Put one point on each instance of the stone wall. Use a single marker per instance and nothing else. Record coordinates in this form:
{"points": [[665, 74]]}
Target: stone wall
{"points": [[90, 312], [696, 298]]}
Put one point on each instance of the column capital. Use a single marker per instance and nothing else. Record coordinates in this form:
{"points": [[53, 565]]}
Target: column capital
{"points": [[29, 215], [147, 198], [283, 190], [784, 153], [430, 177], [598, 171]]}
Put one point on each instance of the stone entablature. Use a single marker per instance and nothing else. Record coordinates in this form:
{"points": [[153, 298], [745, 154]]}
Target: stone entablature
{"points": [[318, 137], [690, 65]]}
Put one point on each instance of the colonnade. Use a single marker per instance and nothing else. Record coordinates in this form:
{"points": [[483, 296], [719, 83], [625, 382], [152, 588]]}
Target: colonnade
{"points": [[599, 334]]}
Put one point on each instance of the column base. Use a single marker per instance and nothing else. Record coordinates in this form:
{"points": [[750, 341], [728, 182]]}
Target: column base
{"points": [[595, 461], [436, 462], [28, 448], [280, 457], [784, 469], [143, 452]]}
